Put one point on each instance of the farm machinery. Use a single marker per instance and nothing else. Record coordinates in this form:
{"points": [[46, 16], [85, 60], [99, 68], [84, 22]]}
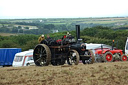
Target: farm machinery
{"points": [[109, 55], [66, 50]]}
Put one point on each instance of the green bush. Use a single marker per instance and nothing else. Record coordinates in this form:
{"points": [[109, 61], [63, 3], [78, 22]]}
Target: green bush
{"points": [[8, 44], [30, 45]]}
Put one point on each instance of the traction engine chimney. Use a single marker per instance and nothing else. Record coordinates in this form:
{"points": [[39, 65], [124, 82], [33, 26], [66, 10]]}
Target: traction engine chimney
{"points": [[77, 32]]}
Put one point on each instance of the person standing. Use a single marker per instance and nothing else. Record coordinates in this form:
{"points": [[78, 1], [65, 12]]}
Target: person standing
{"points": [[41, 38]]}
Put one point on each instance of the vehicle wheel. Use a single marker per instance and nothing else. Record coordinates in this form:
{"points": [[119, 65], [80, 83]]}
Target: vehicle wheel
{"points": [[90, 59], [73, 57], [42, 55], [27, 64], [124, 57], [108, 57]]}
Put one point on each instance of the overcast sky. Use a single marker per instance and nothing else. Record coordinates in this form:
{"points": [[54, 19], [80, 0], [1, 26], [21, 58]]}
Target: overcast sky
{"points": [[62, 8]]}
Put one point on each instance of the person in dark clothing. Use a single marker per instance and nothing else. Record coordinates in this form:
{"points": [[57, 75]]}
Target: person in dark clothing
{"points": [[48, 38]]}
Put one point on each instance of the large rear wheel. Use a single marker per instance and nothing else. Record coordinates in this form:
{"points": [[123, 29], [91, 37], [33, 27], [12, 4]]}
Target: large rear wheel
{"points": [[73, 57], [108, 57], [90, 58], [42, 55]]}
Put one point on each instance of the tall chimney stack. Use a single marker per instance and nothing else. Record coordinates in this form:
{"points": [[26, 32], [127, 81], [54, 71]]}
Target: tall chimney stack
{"points": [[77, 32]]}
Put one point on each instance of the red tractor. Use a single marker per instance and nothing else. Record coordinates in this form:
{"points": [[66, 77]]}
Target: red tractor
{"points": [[109, 55]]}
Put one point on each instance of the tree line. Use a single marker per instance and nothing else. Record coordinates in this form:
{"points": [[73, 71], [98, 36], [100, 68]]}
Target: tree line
{"points": [[98, 34], [105, 35]]}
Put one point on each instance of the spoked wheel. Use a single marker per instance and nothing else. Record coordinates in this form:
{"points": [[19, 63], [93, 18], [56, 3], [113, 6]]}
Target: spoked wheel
{"points": [[108, 57], [124, 57], [42, 55], [73, 57], [90, 58]]}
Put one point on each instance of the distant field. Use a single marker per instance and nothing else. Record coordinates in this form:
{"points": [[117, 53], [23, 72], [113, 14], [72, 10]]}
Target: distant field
{"points": [[7, 34], [115, 73], [88, 20], [102, 20], [65, 23]]}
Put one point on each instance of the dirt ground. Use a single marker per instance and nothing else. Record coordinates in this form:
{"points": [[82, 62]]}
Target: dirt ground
{"points": [[115, 73]]}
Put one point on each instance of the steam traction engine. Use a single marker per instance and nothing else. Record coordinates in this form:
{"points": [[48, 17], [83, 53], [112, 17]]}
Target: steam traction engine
{"points": [[64, 50]]}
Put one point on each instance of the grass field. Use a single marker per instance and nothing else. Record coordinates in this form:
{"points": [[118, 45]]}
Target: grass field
{"points": [[99, 20], [115, 73], [7, 34], [96, 20]]}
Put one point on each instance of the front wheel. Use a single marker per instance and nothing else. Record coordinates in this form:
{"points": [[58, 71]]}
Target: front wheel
{"points": [[108, 57], [73, 57], [89, 57]]}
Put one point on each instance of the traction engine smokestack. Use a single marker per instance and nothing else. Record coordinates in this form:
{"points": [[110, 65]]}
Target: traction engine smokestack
{"points": [[77, 32]]}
